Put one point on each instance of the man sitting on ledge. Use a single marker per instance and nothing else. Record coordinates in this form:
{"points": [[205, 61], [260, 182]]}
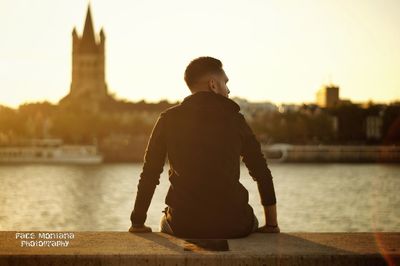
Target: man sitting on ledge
{"points": [[204, 138]]}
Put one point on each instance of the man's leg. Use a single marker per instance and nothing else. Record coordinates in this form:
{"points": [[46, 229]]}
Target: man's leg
{"points": [[255, 224], [164, 225]]}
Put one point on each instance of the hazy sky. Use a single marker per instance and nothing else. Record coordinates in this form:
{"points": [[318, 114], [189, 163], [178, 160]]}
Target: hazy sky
{"points": [[280, 51]]}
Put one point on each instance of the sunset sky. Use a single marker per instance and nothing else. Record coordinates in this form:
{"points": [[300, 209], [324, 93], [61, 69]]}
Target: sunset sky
{"points": [[280, 51]]}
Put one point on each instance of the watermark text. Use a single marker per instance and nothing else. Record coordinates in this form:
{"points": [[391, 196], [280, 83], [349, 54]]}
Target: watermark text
{"points": [[44, 239]]}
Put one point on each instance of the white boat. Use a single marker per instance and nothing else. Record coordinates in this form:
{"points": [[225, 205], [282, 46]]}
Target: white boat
{"points": [[49, 151], [331, 153]]}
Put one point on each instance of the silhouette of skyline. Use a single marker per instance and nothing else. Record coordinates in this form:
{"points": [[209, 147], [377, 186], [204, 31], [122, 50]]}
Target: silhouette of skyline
{"points": [[280, 51]]}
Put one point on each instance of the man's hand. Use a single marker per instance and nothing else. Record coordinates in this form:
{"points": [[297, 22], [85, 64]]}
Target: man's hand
{"points": [[140, 229], [269, 229], [271, 221]]}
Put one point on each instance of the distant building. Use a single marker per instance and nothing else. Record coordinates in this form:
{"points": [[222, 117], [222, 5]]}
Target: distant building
{"points": [[328, 96], [88, 64], [251, 109], [286, 108], [374, 127], [346, 102]]}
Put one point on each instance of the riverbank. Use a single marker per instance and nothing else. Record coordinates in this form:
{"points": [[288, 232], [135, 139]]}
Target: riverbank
{"points": [[122, 248]]}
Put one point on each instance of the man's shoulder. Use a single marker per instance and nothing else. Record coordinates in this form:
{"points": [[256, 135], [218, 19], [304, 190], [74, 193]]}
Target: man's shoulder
{"points": [[172, 110], [180, 109]]}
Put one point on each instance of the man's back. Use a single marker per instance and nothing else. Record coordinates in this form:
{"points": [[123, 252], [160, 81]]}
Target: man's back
{"points": [[204, 144], [203, 138]]}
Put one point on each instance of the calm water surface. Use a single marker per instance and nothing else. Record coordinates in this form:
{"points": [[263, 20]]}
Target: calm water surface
{"points": [[311, 197]]}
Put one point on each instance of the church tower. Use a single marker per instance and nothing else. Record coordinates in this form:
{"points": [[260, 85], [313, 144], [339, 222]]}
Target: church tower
{"points": [[88, 64]]}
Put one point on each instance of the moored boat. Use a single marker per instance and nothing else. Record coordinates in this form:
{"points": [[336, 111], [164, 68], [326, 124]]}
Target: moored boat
{"points": [[49, 151], [331, 153]]}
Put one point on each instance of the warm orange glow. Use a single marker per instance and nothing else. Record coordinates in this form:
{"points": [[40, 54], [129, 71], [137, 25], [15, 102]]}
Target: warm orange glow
{"points": [[280, 51]]}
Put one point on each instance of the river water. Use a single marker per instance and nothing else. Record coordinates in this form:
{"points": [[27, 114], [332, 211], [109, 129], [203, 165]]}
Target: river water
{"points": [[311, 197]]}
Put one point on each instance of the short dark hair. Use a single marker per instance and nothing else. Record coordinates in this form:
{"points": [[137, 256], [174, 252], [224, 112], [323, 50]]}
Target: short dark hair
{"points": [[200, 67]]}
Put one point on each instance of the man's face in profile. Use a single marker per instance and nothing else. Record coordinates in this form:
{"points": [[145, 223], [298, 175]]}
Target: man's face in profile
{"points": [[219, 84]]}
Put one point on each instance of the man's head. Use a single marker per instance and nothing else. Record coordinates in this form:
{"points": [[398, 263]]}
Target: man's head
{"points": [[206, 74]]}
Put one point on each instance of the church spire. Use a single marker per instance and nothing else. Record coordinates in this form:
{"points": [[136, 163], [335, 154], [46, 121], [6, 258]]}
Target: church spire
{"points": [[88, 37]]}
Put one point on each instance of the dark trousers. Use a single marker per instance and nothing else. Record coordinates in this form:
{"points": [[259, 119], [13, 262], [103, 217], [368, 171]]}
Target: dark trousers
{"points": [[166, 228]]}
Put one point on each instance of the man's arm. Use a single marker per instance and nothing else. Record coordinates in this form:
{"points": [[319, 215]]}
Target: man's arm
{"points": [[153, 166], [255, 161], [271, 221]]}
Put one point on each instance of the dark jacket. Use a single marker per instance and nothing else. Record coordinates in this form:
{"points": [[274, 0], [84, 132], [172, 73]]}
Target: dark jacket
{"points": [[204, 138]]}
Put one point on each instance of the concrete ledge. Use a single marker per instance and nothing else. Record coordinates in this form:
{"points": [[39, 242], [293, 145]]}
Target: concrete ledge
{"points": [[122, 248]]}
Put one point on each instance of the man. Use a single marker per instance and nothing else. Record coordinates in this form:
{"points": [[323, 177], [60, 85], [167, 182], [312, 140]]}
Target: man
{"points": [[204, 138]]}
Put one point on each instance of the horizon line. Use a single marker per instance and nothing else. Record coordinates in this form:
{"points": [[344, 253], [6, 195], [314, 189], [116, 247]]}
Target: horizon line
{"points": [[149, 101]]}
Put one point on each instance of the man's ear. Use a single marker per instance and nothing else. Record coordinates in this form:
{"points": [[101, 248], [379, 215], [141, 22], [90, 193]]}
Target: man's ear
{"points": [[211, 85]]}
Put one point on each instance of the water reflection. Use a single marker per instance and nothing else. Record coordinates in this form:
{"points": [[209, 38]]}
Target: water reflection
{"points": [[311, 197]]}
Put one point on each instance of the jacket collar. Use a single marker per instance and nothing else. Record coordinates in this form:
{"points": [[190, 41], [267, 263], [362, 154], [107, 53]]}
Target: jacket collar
{"points": [[205, 98]]}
